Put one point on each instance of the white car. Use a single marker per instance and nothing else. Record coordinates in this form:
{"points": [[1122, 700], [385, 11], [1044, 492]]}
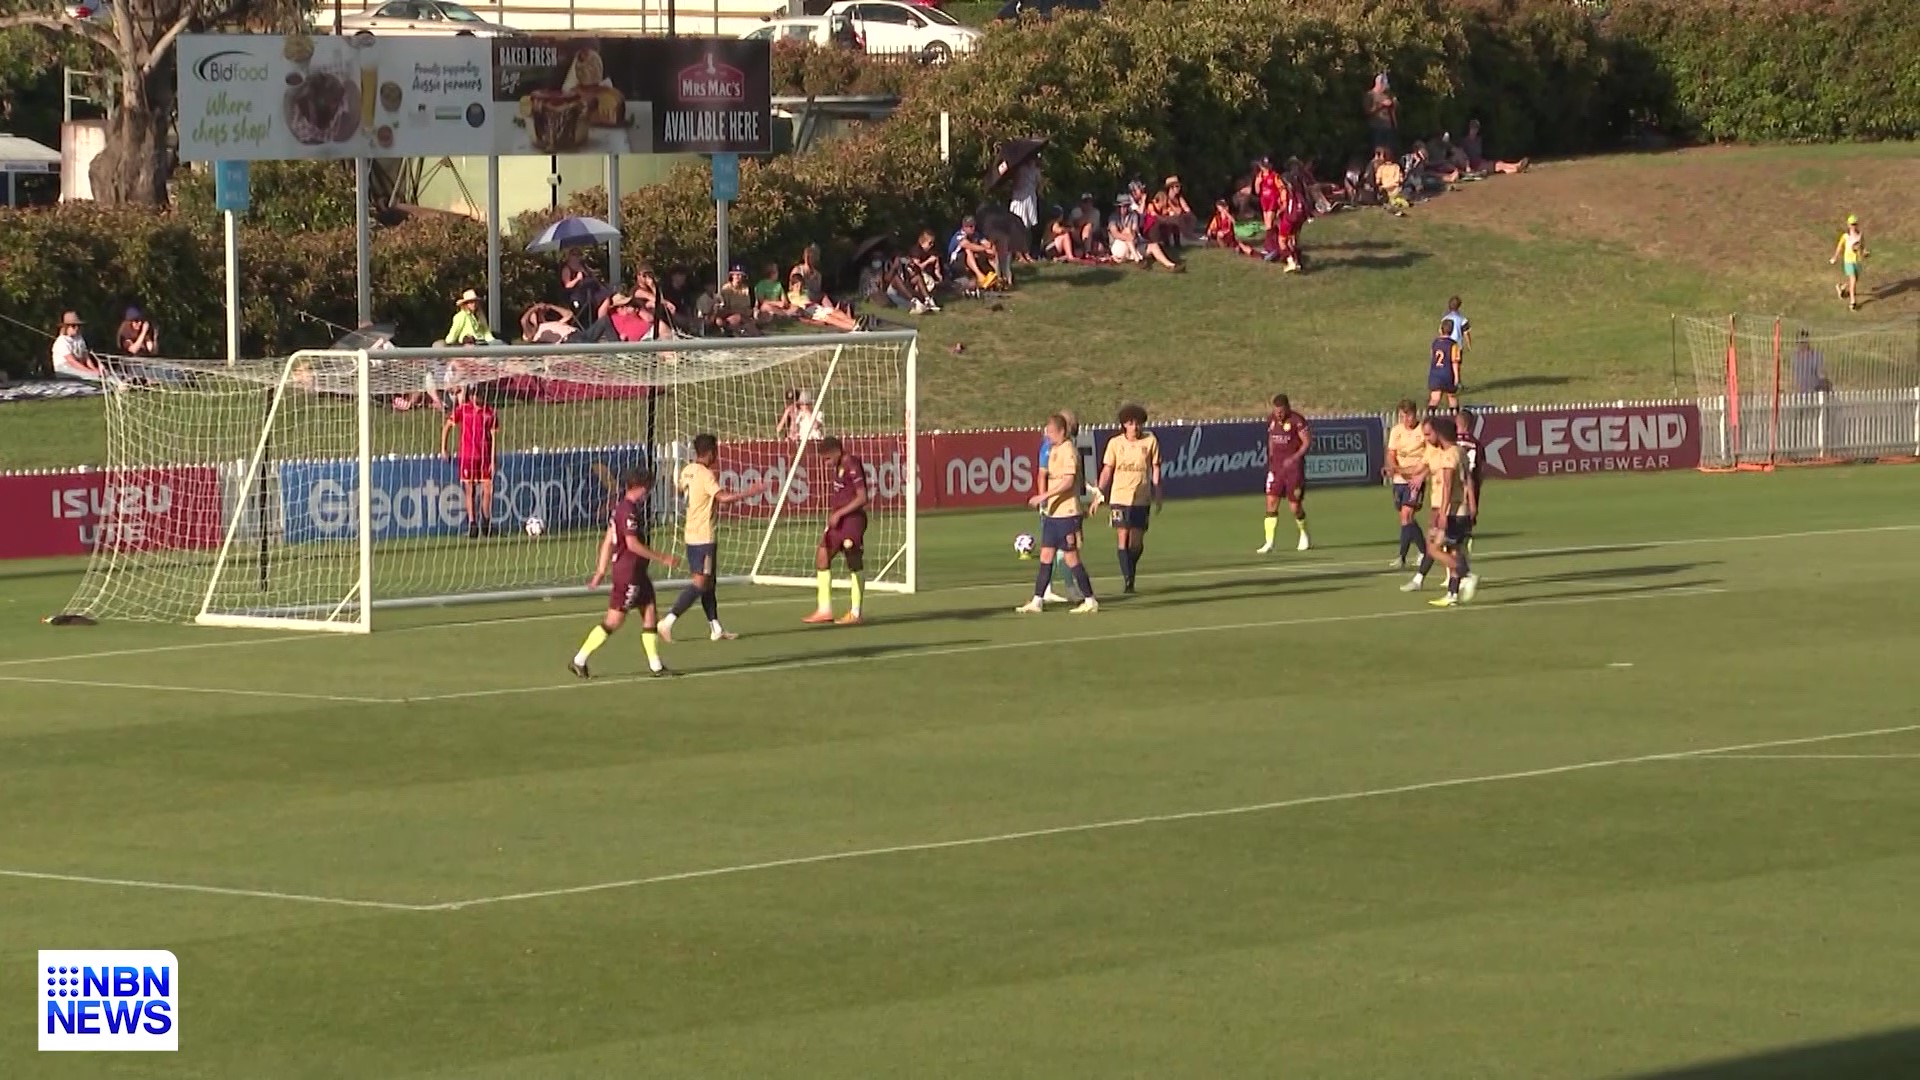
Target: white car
{"points": [[808, 29], [421, 17], [890, 26]]}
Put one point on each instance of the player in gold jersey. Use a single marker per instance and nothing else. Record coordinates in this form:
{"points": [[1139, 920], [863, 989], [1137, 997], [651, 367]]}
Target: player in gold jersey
{"points": [[1130, 477], [700, 485], [1451, 493]]}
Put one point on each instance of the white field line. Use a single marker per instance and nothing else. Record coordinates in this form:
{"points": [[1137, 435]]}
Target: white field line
{"points": [[1079, 639], [213, 890], [1254, 571], [293, 695], [965, 842], [1814, 757], [904, 654], [1161, 819]]}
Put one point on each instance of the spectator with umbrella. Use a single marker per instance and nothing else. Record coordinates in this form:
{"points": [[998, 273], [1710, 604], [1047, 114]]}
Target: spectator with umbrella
{"points": [[1020, 159], [578, 283]]}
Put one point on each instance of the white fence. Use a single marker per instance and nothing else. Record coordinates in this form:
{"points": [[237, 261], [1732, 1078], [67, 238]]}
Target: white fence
{"points": [[1844, 425]]}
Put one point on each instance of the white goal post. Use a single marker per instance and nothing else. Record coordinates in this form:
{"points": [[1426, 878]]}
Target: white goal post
{"points": [[329, 484]]}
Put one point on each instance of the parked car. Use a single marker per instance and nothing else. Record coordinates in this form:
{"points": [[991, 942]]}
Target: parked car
{"points": [[423, 17], [1013, 9], [897, 26], [807, 29]]}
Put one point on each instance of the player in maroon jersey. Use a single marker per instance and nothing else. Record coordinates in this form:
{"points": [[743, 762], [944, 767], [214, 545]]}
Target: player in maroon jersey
{"points": [[477, 423], [1469, 443], [632, 589], [1288, 439], [846, 532]]}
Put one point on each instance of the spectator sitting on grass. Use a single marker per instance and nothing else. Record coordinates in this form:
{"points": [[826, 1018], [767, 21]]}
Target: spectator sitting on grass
{"points": [[1178, 211], [1058, 243], [927, 261], [547, 324], [908, 279], [809, 269], [1391, 182], [880, 285], [71, 359], [1421, 176], [137, 336], [1221, 229], [468, 324], [1083, 224], [1161, 231], [734, 313], [770, 296], [971, 255], [1477, 158], [818, 310]]}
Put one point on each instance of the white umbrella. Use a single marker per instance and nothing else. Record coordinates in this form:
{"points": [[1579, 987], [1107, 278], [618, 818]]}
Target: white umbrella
{"points": [[573, 232]]}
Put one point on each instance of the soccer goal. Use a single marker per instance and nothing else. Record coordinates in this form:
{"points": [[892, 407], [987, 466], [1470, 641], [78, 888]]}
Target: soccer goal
{"points": [[1775, 390], [331, 487]]}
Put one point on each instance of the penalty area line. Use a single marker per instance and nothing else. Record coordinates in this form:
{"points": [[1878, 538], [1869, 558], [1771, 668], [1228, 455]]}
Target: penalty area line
{"points": [[1160, 819], [214, 890], [1257, 571], [1080, 639], [217, 691]]}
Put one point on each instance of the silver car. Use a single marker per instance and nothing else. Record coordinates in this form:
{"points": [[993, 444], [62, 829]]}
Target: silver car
{"points": [[423, 17]]}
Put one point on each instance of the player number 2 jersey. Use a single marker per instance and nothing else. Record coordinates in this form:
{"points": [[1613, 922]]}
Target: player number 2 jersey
{"points": [[700, 486]]}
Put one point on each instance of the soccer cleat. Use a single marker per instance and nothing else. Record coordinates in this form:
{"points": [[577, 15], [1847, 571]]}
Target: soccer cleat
{"points": [[851, 618], [1304, 544], [1414, 585], [717, 634], [1468, 586], [579, 670], [1449, 600], [1031, 607], [1087, 607], [818, 618], [1397, 564], [1128, 589], [1052, 597], [663, 672], [1264, 549]]}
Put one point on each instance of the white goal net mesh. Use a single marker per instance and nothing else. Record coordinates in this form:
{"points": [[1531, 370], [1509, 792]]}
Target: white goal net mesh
{"points": [[1774, 389], [271, 449]]}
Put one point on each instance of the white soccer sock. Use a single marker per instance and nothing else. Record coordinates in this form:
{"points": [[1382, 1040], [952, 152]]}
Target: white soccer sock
{"points": [[666, 621]]}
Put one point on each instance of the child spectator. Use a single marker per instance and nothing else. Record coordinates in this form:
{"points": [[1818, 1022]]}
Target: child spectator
{"points": [[735, 313], [137, 336], [1392, 182], [971, 255], [769, 296], [927, 262], [1083, 222], [1221, 231]]}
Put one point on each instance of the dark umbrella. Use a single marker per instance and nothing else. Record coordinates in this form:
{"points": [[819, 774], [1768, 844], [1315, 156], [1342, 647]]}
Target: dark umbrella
{"points": [[1013, 154], [867, 248]]}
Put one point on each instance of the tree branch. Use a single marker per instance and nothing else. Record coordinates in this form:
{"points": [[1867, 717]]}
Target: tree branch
{"points": [[158, 50], [60, 24]]}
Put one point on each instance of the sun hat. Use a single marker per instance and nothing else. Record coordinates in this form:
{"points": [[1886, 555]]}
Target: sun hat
{"points": [[72, 318], [469, 297], [1853, 219], [621, 299]]}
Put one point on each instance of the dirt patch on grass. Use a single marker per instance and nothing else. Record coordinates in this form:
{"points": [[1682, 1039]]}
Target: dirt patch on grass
{"points": [[1766, 215]]}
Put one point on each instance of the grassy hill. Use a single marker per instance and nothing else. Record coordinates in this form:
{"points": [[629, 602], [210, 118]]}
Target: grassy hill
{"points": [[1570, 273]]}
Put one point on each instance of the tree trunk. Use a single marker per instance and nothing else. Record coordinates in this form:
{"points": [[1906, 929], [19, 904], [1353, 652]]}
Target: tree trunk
{"points": [[136, 163]]}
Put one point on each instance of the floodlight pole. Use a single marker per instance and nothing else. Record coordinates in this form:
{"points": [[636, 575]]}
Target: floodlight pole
{"points": [[613, 218]]}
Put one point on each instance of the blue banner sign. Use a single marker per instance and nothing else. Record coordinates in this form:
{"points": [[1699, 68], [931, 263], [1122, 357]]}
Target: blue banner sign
{"points": [[421, 496], [232, 186], [1230, 457], [726, 177]]}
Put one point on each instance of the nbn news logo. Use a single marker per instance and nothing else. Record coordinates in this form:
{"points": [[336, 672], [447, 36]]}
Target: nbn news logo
{"points": [[109, 999]]}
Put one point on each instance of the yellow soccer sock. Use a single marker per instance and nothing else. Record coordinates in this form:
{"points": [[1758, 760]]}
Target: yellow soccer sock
{"points": [[591, 645], [1301, 521], [650, 642], [1272, 524], [823, 584], [859, 590]]}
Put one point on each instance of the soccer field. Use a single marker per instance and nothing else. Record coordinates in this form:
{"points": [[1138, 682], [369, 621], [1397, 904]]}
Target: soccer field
{"points": [[1649, 802]]}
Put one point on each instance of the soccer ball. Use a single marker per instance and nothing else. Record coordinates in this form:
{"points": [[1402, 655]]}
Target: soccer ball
{"points": [[1023, 544], [534, 525]]}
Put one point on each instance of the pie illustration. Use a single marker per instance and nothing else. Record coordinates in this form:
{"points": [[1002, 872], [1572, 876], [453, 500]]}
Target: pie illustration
{"points": [[323, 108], [556, 119]]}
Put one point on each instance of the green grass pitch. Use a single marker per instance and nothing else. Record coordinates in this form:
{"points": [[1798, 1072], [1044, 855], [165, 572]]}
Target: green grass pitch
{"points": [[1649, 802]]}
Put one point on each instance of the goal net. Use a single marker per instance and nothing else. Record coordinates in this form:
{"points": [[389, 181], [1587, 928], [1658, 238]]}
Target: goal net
{"points": [[1775, 390], [330, 484]]}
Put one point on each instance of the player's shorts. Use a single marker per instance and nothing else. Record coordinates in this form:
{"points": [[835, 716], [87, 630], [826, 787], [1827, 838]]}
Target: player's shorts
{"points": [[702, 558], [1455, 533], [1285, 484], [1851, 269], [1060, 533], [1131, 517], [473, 470], [632, 590], [1441, 380], [1407, 495], [850, 536]]}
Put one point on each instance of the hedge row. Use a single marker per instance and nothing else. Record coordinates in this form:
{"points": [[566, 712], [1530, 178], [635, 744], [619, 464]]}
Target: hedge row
{"points": [[1146, 88]]}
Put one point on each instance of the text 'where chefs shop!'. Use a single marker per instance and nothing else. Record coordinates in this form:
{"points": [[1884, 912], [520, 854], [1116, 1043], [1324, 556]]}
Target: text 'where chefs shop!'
{"points": [[257, 97]]}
